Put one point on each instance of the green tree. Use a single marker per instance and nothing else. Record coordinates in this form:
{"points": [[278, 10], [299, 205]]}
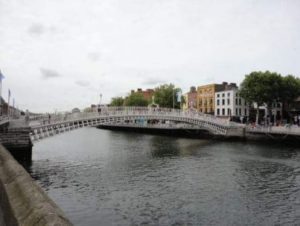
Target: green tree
{"points": [[262, 88], [117, 101], [290, 90], [166, 96], [88, 109], [136, 99]]}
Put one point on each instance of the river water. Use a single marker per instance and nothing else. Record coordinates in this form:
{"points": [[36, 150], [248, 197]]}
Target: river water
{"points": [[102, 177]]}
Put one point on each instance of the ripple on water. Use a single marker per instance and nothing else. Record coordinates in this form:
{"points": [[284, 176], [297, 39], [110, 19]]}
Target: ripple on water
{"points": [[101, 177]]}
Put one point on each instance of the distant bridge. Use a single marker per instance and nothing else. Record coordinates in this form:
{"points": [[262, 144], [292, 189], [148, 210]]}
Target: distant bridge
{"points": [[45, 126]]}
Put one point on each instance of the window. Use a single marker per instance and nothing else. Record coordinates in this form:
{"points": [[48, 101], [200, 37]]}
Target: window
{"points": [[223, 94], [240, 111], [245, 112], [228, 101], [228, 94], [218, 111], [218, 102], [240, 101], [236, 112], [223, 111], [223, 102], [228, 111], [218, 95], [236, 102]]}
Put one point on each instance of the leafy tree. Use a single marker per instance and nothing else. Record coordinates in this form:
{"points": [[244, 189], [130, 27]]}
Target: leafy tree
{"points": [[290, 90], [261, 88], [117, 101], [88, 109], [165, 96], [136, 99]]}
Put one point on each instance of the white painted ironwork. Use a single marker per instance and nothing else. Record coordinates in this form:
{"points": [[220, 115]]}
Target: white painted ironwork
{"points": [[4, 119], [59, 123]]}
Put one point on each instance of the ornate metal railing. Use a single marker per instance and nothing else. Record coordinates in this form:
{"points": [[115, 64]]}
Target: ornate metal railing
{"points": [[49, 125], [4, 119], [125, 111]]}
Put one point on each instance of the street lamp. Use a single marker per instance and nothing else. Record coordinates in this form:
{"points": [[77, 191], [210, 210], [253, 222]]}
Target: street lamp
{"points": [[100, 99]]}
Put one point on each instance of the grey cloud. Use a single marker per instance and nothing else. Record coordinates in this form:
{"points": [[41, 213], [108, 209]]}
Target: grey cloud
{"points": [[49, 73], [36, 29], [82, 83], [154, 81], [93, 56]]}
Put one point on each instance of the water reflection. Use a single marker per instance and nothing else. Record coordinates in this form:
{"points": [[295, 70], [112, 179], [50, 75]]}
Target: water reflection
{"points": [[102, 177]]}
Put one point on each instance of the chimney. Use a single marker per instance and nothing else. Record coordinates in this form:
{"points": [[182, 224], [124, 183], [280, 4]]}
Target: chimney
{"points": [[192, 89]]}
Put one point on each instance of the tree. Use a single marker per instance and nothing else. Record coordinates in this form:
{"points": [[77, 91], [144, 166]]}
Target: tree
{"points": [[117, 101], [166, 96], [136, 99], [88, 109], [261, 88], [290, 90]]}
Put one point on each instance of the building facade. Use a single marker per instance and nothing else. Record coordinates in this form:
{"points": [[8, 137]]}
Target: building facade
{"points": [[190, 99], [229, 104], [206, 96]]}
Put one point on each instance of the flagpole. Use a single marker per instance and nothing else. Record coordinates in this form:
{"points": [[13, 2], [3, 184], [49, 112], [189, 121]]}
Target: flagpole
{"points": [[1, 104], [8, 111], [13, 110], [0, 94]]}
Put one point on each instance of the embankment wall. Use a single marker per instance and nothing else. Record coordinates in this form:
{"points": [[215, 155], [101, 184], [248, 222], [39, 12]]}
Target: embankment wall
{"points": [[22, 201]]}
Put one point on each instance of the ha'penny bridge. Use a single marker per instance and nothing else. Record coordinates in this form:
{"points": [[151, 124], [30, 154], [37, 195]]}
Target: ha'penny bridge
{"points": [[134, 117], [18, 135]]}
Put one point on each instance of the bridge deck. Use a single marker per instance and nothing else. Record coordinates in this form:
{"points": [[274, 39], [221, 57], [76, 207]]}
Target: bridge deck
{"points": [[48, 125]]}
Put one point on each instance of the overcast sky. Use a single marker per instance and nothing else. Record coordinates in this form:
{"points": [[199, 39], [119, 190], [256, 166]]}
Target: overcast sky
{"points": [[60, 54]]}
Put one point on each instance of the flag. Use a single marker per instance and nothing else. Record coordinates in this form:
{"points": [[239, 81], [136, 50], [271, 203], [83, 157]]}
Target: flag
{"points": [[1, 76]]}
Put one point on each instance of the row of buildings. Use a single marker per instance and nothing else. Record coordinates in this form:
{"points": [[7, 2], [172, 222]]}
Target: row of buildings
{"points": [[221, 100]]}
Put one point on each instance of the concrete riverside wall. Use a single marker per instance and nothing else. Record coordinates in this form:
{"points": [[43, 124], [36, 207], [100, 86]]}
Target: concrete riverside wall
{"points": [[22, 201], [17, 141]]}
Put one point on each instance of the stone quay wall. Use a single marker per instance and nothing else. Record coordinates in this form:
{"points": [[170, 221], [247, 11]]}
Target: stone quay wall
{"points": [[22, 201], [17, 141]]}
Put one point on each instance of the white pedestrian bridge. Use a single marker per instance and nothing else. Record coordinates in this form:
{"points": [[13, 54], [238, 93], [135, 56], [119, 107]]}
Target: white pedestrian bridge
{"points": [[43, 126]]}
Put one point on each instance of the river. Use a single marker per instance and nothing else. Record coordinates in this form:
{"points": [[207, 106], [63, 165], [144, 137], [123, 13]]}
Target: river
{"points": [[102, 177]]}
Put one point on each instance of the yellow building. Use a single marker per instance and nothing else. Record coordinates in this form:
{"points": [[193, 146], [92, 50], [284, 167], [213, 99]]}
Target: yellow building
{"points": [[206, 97]]}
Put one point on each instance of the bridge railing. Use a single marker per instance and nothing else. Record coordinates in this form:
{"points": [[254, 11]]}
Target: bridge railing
{"points": [[3, 118], [127, 111]]}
